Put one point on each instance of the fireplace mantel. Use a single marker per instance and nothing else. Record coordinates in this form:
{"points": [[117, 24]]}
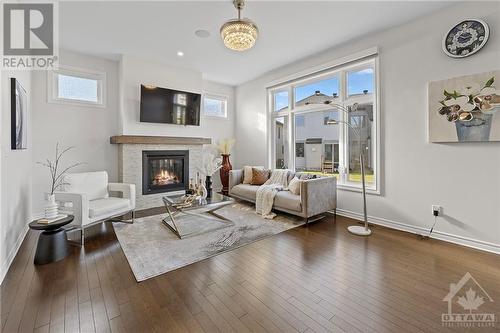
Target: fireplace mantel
{"points": [[166, 140]]}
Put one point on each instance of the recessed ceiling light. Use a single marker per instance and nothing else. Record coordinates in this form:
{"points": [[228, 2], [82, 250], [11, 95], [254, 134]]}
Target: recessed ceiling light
{"points": [[202, 33], [180, 53]]}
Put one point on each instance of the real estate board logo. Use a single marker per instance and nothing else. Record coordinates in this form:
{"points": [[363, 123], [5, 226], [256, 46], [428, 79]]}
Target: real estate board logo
{"points": [[30, 35], [464, 300]]}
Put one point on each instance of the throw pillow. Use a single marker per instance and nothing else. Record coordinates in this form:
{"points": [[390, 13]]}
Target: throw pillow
{"points": [[294, 186], [247, 173], [259, 176], [306, 176]]}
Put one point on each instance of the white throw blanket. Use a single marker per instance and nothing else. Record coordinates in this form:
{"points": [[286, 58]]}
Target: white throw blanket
{"points": [[266, 193]]}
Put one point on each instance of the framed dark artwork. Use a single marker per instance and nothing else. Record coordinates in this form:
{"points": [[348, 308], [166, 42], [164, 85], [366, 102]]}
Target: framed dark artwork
{"points": [[466, 38], [19, 115]]}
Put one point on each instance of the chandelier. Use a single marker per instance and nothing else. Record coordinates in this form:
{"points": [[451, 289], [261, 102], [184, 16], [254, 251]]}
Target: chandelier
{"points": [[239, 34]]}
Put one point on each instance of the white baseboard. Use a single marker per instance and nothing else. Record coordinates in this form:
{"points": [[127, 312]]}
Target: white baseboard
{"points": [[13, 252], [460, 240]]}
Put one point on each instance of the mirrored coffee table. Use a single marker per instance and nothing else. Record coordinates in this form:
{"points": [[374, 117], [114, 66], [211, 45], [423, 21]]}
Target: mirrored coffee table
{"points": [[204, 208]]}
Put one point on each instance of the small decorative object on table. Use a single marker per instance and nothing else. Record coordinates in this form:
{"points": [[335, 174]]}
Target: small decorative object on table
{"points": [[210, 165], [56, 176], [208, 186], [225, 149]]}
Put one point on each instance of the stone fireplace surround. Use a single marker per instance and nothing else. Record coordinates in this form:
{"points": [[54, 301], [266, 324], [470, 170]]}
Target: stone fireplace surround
{"points": [[130, 160]]}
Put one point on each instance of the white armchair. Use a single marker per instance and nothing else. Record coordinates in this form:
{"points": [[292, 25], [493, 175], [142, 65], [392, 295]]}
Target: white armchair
{"points": [[86, 196]]}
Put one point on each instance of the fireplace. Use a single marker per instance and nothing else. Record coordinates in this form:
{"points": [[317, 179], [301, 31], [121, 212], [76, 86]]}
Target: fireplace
{"points": [[164, 171]]}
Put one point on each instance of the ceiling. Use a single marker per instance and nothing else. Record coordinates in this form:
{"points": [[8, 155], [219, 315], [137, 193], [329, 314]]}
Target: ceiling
{"points": [[289, 31]]}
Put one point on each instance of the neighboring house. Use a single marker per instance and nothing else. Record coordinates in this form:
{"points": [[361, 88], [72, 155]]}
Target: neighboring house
{"points": [[280, 146], [317, 138]]}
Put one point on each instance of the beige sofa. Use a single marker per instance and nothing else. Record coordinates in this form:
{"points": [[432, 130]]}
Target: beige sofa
{"points": [[317, 195]]}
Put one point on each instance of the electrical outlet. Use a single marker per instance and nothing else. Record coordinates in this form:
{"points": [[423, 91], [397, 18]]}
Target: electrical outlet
{"points": [[436, 208]]}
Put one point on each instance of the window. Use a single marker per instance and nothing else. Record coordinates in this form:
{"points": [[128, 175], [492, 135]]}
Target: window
{"points": [[215, 106], [280, 100], [281, 142], [329, 117], [329, 138], [299, 149], [75, 86], [308, 93], [361, 142], [360, 82]]}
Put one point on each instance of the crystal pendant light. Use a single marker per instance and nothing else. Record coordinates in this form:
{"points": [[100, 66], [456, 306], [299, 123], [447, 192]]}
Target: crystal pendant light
{"points": [[239, 34]]}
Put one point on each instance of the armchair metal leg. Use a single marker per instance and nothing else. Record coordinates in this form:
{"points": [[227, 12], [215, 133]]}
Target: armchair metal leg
{"points": [[132, 220], [82, 240]]}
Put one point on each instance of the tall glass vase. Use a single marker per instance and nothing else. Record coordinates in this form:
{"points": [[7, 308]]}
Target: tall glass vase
{"points": [[224, 173]]}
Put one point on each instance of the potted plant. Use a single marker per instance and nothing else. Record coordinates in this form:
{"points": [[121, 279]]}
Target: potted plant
{"points": [[225, 146], [471, 109], [56, 178]]}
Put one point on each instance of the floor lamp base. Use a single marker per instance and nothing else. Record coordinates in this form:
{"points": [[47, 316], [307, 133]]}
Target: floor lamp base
{"points": [[359, 230]]}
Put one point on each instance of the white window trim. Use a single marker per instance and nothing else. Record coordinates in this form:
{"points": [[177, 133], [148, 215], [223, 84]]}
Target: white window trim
{"points": [[218, 97], [52, 86], [347, 65]]}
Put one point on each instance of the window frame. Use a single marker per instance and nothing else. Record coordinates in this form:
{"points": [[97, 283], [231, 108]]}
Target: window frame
{"points": [[218, 97], [344, 99], [273, 101], [53, 86]]}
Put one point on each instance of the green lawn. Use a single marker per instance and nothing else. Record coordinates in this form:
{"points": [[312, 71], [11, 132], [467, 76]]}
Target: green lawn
{"points": [[353, 177]]}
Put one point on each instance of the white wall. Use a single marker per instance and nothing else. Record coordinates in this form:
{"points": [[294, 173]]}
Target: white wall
{"points": [[86, 128], [134, 72], [463, 178], [15, 175]]}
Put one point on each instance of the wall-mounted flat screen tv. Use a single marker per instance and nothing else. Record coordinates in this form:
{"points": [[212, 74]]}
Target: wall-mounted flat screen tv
{"points": [[160, 105]]}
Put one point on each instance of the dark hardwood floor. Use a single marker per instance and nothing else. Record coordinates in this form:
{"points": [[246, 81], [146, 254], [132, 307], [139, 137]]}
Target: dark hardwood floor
{"points": [[309, 279]]}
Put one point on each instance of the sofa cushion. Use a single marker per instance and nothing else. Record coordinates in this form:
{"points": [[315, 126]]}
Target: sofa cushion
{"points": [[248, 174], [306, 176], [246, 191], [294, 186], [93, 184], [260, 176], [107, 206], [287, 200]]}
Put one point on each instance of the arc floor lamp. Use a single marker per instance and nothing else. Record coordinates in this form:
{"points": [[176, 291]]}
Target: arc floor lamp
{"points": [[354, 229]]}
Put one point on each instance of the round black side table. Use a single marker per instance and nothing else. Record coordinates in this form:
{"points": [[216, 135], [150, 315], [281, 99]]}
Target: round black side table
{"points": [[52, 243]]}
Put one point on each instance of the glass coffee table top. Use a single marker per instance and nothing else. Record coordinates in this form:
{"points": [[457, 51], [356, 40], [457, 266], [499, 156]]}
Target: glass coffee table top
{"points": [[204, 208], [216, 199]]}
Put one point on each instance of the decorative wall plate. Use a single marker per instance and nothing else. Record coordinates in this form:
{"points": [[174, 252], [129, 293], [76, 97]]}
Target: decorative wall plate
{"points": [[466, 38]]}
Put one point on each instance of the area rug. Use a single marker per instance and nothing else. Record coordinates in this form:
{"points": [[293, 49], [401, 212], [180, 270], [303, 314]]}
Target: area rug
{"points": [[152, 249]]}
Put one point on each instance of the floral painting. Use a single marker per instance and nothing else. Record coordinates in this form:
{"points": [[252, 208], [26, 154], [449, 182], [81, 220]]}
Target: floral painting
{"points": [[463, 109]]}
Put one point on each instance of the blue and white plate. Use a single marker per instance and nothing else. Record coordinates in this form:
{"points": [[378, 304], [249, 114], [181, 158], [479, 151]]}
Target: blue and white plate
{"points": [[466, 38]]}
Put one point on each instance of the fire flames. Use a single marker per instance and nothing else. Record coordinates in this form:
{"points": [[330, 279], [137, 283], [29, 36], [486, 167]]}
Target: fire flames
{"points": [[165, 177]]}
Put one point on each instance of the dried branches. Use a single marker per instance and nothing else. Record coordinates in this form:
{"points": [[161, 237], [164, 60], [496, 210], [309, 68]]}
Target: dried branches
{"points": [[53, 166]]}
